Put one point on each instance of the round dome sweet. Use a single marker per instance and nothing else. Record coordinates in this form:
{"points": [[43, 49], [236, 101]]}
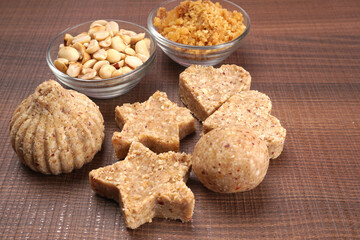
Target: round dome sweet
{"points": [[230, 159], [56, 130]]}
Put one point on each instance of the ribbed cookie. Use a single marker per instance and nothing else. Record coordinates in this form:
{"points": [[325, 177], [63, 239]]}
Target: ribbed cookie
{"points": [[56, 130]]}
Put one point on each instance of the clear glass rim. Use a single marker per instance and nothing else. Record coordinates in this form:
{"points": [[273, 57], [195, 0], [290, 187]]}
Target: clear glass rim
{"points": [[162, 39], [127, 77]]}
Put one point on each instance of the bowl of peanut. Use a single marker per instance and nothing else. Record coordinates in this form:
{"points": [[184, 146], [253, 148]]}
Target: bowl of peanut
{"points": [[102, 58], [198, 32]]}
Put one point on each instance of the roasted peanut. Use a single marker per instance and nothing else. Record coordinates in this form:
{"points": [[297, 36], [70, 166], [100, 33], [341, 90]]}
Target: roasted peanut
{"points": [[99, 64], [126, 39], [88, 73], [143, 58], [90, 63], [125, 70], [98, 23], [95, 29], [61, 64], [105, 43], [137, 37], [148, 43], [74, 69], [112, 27], [117, 73], [106, 71], [133, 62], [69, 53], [101, 35], [100, 55], [68, 39], [141, 48], [119, 64], [130, 51], [81, 39], [93, 47], [117, 44], [113, 56]]}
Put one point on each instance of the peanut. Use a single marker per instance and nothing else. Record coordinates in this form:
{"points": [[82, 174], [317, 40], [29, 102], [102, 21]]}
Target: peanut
{"points": [[133, 62], [141, 48], [69, 53], [113, 56], [100, 55], [126, 39], [61, 64], [74, 69], [112, 27], [137, 37], [130, 51], [99, 64], [105, 43], [93, 46], [81, 39], [119, 64], [95, 29], [98, 23], [117, 44], [106, 71], [89, 73], [101, 35], [126, 70], [90, 63]]}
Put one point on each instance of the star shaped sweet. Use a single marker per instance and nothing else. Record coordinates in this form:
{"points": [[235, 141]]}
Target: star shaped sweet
{"points": [[147, 185], [157, 123]]}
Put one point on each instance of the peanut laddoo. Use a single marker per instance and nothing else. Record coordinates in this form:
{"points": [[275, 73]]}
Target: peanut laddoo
{"points": [[230, 159], [199, 23], [56, 130]]}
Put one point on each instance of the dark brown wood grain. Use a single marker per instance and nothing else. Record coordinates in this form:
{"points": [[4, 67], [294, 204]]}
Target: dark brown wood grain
{"points": [[304, 54]]}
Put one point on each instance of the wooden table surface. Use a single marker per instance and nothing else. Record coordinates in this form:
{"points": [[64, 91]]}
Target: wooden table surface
{"points": [[305, 54]]}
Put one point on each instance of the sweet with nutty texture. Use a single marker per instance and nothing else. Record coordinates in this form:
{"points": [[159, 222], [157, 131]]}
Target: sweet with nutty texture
{"points": [[204, 89], [199, 23], [56, 130], [157, 123], [250, 109], [147, 185], [230, 159]]}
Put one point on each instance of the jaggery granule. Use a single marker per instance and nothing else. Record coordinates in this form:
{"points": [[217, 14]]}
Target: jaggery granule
{"points": [[199, 23]]}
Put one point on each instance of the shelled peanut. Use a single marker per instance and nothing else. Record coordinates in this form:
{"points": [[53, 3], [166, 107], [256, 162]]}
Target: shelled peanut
{"points": [[104, 51]]}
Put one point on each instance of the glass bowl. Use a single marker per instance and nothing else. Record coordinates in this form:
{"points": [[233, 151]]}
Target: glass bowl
{"points": [[103, 88], [187, 55]]}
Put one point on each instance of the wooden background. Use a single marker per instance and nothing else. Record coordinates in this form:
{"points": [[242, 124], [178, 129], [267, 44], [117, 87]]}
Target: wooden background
{"points": [[305, 54]]}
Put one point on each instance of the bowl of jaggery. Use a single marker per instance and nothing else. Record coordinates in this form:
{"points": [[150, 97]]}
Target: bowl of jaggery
{"points": [[198, 32]]}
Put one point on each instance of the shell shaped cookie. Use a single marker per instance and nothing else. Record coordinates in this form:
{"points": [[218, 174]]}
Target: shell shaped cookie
{"points": [[55, 130]]}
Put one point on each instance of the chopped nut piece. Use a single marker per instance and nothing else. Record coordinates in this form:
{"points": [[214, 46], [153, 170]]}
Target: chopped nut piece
{"points": [[143, 192]]}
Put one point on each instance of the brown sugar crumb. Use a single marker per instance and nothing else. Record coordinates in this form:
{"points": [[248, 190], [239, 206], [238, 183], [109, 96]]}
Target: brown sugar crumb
{"points": [[199, 23], [147, 185], [157, 123]]}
